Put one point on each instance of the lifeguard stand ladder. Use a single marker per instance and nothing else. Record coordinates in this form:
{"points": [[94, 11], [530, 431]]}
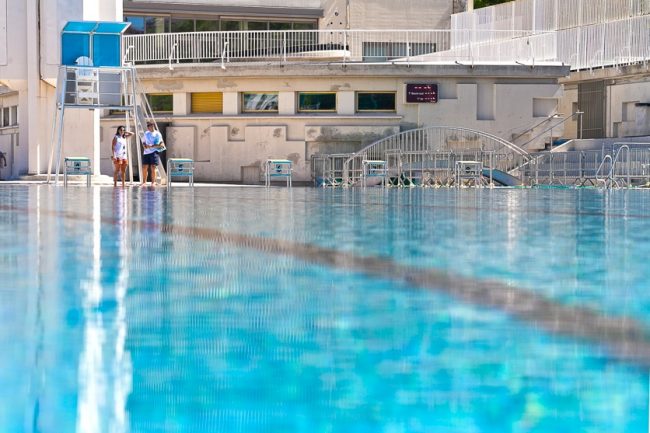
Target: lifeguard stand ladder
{"points": [[92, 76]]}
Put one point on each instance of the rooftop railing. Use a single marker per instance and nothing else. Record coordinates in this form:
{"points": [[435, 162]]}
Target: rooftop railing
{"points": [[589, 33], [318, 45]]}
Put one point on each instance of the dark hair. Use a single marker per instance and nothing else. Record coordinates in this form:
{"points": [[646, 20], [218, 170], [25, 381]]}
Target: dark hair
{"points": [[117, 132]]}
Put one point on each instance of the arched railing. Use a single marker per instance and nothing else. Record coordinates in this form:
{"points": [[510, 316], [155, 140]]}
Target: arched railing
{"points": [[418, 149]]}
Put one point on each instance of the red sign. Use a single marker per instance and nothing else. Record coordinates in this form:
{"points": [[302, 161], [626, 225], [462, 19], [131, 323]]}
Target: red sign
{"points": [[421, 93]]}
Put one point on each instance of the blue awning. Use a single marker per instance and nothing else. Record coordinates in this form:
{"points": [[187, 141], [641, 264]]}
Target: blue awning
{"points": [[112, 28]]}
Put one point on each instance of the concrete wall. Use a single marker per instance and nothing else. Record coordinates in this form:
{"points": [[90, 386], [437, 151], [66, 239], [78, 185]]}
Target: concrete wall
{"points": [[627, 115], [413, 14], [13, 46], [222, 144]]}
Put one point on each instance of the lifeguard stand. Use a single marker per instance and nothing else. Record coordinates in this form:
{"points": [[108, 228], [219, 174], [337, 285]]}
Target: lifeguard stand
{"points": [[92, 76]]}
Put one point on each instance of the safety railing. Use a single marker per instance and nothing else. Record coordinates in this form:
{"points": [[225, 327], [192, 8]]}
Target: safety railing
{"points": [[327, 169], [319, 45], [590, 33], [425, 141], [616, 167], [549, 15], [519, 47]]}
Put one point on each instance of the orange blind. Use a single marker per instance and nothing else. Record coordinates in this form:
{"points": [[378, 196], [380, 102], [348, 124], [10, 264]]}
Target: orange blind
{"points": [[207, 102]]}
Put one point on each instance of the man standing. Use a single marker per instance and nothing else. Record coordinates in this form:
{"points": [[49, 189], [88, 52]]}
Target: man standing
{"points": [[153, 142]]}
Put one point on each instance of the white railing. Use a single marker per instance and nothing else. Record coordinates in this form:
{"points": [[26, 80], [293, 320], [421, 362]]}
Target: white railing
{"points": [[548, 15], [424, 142], [589, 33], [338, 45], [528, 50]]}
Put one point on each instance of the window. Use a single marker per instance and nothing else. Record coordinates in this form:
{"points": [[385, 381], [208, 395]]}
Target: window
{"points": [[259, 102], [257, 25], [137, 25], [316, 101], [180, 25], [156, 24], [304, 26], [375, 101], [207, 102], [231, 26], [14, 115], [207, 25], [143, 24], [147, 24], [5, 116], [279, 26], [161, 103]]}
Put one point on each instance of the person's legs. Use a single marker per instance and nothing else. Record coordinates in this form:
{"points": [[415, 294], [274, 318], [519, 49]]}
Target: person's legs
{"points": [[145, 173], [153, 175], [123, 172], [116, 168]]}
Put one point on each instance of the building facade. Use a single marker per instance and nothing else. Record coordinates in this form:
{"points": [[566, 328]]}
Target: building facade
{"points": [[231, 87]]}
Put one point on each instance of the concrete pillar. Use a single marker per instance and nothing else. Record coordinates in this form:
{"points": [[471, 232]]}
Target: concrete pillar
{"points": [[96, 141], [230, 103], [346, 103], [286, 103], [182, 103], [31, 105]]}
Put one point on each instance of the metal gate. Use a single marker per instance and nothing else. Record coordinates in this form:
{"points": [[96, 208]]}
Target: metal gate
{"points": [[591, 100]]}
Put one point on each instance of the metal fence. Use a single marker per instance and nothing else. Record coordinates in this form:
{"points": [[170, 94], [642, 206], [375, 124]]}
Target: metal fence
{"points": [[548, 15], [416, 151], [617, 167], [589, 33], [314, 45]]}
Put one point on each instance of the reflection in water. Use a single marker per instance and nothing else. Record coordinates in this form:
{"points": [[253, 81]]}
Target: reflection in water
{"points": [[104, 366], [264, 310]]}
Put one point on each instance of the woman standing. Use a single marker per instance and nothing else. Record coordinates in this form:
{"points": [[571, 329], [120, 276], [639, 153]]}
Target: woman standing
{"points": [[119, 153]]}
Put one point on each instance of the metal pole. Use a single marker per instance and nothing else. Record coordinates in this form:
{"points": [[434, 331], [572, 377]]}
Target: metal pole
{"points": [[59, 147], [134, 107]]}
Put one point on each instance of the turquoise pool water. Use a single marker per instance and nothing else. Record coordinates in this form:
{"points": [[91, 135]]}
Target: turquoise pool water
{"points": [[231, 309]]}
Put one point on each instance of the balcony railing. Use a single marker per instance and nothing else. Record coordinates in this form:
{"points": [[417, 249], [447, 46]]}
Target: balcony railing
{"points": [[318, 45], [589, 33]]}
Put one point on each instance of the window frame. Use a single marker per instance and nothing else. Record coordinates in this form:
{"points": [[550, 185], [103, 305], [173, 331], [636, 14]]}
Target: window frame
{"points": [[356, 101], [6, 121], [300, 110], [149, 95], [243, 104]]}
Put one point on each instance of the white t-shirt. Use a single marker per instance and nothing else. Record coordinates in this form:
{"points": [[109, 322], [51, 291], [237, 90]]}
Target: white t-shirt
{"points": [[119, 150], [152, 138]]}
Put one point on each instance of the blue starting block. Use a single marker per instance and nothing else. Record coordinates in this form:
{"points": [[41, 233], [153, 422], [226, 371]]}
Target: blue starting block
{"points": [[76, 166], [180, 167], [277, 168]]}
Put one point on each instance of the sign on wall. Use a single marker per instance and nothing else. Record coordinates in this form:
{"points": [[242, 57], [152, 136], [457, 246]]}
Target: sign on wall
{"points": [[421, 93]]}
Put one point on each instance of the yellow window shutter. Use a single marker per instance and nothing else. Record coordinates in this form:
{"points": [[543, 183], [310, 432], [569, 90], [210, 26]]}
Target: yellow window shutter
{"points": [[207, 102]]}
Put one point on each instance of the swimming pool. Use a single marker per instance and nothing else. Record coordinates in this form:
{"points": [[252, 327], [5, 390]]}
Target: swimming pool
{"points": [[233, 309]]}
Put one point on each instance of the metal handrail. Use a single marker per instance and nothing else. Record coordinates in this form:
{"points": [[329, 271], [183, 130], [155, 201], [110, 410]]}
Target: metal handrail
{"points": [[430, 139], [171, 56], [580, 113], [281, 45], [612, 171]]}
